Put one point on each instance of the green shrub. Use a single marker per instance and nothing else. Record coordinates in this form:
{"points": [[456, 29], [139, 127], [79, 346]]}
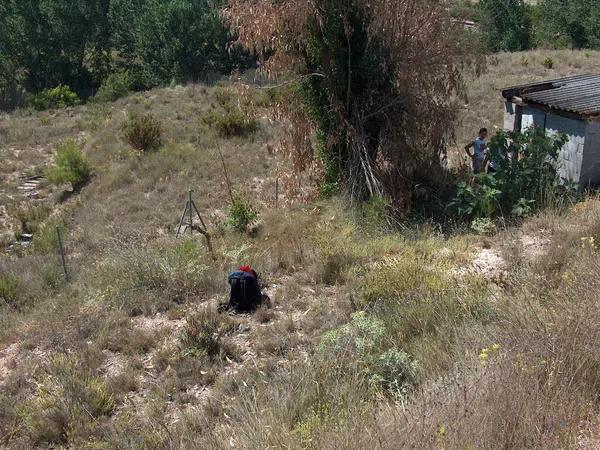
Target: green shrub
{"points": [[224, 96], [45, 240], [114, 87], [548, 63], [155, 278], [242, 213], [31, 217], [232, 123], [9, 289], [484, 226], [526, 179], [70, 166], [367, 340], [143, 132], [68, 402], [55, 98]]}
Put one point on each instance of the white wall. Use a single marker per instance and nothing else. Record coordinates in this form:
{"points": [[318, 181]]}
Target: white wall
{"points": [[571, 158]]}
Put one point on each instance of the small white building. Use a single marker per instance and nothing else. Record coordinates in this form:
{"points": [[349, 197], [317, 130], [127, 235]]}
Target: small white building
{"points": [[567, 105]]}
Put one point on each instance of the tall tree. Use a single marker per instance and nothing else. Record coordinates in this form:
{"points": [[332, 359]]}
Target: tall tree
{"points": [[574, 23], [505, 24], [373, 78], [56, 41]]}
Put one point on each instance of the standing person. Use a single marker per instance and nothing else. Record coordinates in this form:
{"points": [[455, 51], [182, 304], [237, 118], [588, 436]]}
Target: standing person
{"points": [[479, 146]]}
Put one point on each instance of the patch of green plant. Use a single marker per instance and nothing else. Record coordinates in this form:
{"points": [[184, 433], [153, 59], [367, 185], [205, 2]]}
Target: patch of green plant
{"points": [[32, 216], [366, 339], [525, 180], [231, 123], [143, 132], [548, 63], [155, 279], [376, 212], [45, 241], [55, 98], [242, 213], [9, 289], [70, 166], [114, 87], [484, 226]]}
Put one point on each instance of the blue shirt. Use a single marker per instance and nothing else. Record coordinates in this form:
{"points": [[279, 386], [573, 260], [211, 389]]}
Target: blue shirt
{"points": [[479, 149]]}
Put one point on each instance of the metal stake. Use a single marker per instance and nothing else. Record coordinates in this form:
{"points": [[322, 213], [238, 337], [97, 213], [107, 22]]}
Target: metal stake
{"points": [[62, 254], [191, 211]]}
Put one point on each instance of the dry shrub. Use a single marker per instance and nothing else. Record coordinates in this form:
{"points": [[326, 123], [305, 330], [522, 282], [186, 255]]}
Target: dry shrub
{"points": [[156, 278], [204, 333], [143, 132], [68, 402]]}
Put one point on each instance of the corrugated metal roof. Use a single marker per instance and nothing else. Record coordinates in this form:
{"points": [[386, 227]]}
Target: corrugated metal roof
{"points": [[578, 94]]}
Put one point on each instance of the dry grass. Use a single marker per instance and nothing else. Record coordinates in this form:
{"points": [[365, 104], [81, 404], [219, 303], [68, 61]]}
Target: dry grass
{"points": [[150, 364]]}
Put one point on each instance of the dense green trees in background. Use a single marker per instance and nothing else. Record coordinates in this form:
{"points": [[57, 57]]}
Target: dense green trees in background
{"points": [[137, 44], [512, 25], [506, 24], [47, 43]]}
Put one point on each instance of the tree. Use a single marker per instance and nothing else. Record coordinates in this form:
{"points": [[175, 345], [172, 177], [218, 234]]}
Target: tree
{"points": [[574, 23], [175, 39], [506, 25], [56, 41], [374, 81]]}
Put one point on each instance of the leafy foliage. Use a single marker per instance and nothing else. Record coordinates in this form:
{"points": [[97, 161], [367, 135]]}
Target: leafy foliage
{"points": [[143, 132], [115, 86], [527, 177], [388, 369], [59, 97], [47, 43], [575, 23], [231, 118], [70, 166], [242, 213], [506, 25]]}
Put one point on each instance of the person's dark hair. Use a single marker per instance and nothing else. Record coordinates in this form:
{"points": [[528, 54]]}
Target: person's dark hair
{"points": [[483, 130]]}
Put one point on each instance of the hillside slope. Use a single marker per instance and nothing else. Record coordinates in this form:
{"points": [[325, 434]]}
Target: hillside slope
{"points": [[377, 338]]}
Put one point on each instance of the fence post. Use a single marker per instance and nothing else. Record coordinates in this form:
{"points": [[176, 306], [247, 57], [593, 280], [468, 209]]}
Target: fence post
{"points": [[62, 254], [191, 211]]}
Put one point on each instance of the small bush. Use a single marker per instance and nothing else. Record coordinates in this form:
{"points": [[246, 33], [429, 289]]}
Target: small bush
{"points": [[70, 166], [45, 240], [483, 226], [30, 217], [9, 289], [548, 63], [143, 132], [55, 98], [231, 123], [242, 213], [114, 87], [526, 178], [203, 333], [68, 402], [366, 339]]}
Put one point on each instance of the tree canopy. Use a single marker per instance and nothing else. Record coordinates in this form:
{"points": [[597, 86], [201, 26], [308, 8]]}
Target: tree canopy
{"points": [[374, 79]]}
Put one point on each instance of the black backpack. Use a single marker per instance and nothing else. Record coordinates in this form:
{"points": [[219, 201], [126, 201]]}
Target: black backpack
{"points": [[245, 294]]}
